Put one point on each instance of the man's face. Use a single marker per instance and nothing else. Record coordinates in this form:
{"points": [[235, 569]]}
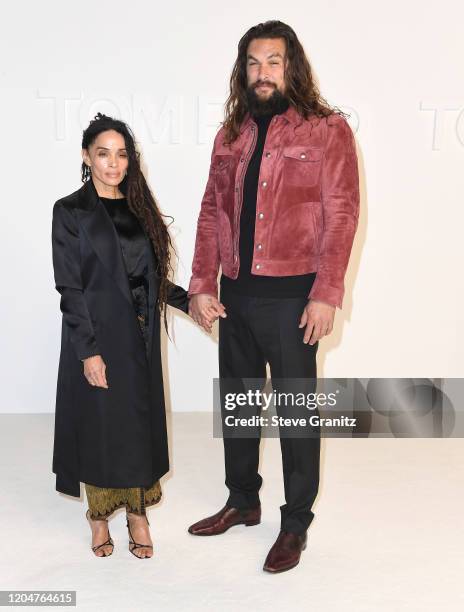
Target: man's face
{"points": [[266, 66]]}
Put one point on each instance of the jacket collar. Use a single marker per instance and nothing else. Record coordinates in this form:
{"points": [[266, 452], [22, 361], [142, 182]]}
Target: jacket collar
{"points": [[291, 116], [88, 196]]}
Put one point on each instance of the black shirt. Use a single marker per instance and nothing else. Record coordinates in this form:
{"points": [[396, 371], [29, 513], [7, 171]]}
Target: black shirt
{"points": [[134, 243], [246, 282], [132, 238]]}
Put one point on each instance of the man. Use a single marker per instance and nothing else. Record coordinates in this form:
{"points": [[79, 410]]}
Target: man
{"points": [[279, 215]]}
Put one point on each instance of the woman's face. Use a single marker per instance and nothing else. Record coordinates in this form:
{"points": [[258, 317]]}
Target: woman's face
{"points": [[107, 158]]}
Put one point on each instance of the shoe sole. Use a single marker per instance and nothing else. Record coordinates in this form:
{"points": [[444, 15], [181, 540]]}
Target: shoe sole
{"points": [[279, 571], [246, 523]]}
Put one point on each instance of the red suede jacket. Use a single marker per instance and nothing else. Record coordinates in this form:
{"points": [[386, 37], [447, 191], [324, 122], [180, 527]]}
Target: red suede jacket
{"points": [[306, 210]]}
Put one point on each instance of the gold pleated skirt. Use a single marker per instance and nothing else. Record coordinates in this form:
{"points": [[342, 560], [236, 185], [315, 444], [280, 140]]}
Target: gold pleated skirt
{"points": [[103, 501]]}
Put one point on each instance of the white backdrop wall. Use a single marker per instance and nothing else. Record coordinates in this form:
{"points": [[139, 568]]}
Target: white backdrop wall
{"points": [[164, 68]]}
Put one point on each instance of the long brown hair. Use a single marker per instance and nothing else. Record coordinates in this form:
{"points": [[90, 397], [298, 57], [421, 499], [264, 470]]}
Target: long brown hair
{"points": [[301, 89], [139, 198]]}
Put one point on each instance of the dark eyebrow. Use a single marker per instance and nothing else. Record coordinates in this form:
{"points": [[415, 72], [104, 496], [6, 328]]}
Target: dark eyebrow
{"points": [[107, 149], [268, 57]]}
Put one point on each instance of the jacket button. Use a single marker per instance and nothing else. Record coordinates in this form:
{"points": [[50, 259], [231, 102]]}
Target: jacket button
{"points": [[264, 184], [259, 247], [268, 154], [261, 216], [258, 266], [303, 156]]}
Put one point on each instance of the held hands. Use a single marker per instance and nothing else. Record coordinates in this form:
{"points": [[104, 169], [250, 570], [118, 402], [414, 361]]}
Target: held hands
{"points": [[205, 309], [318, 318], [95, 371]]}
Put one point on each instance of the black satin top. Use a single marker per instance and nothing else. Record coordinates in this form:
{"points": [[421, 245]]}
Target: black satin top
{"points": [[132, 238], [134, 243]]}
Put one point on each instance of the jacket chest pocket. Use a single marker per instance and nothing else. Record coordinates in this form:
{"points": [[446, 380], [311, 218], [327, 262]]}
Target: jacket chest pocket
{"points": [[301, 166], [223, 172]]}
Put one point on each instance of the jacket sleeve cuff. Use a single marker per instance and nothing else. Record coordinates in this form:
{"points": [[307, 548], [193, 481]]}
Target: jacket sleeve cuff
{"points": [[203, 285], [322, 292], [177, 297], [86, 349]]}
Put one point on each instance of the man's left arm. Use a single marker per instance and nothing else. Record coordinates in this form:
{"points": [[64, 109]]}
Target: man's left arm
{"points": [[340, 209]]}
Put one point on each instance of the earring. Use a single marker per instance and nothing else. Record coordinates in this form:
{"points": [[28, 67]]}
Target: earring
{"points": [[86, 172]]}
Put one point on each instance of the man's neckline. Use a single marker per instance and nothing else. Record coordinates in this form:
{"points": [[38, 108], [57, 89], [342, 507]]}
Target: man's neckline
{"points": [[264, 117]]}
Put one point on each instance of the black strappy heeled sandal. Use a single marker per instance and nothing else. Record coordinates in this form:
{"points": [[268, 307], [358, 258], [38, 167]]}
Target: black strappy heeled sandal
{"points": [[133, 544], [109, 541]]}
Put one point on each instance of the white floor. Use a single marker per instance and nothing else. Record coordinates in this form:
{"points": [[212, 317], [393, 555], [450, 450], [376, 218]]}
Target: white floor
{"points": [[388, 532]]}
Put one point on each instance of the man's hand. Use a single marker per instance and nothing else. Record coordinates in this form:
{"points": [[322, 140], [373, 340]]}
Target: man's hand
{"points": [[318, 318], [205, 309], [95, 371]]}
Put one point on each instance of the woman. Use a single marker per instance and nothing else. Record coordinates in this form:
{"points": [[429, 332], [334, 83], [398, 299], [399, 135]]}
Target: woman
{"points": [[111, 261]]}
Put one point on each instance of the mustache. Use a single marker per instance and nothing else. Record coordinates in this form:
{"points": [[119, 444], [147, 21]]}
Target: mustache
{"points": [[258, 83]]}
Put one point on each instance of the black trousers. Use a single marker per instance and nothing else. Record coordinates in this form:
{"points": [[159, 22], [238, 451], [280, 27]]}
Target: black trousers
{"points": [[258, 331]]}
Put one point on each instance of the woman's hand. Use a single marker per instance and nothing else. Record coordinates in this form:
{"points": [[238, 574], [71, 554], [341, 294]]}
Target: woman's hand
{"points": [[95, 371], [205, 309]]}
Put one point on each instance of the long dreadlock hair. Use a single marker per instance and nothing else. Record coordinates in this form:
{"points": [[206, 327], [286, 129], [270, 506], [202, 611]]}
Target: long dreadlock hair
{"points": [[139, 198], [301, 89]]}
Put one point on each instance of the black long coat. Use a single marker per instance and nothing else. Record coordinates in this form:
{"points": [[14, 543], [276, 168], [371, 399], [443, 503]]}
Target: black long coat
{"points": [[113, 437]]}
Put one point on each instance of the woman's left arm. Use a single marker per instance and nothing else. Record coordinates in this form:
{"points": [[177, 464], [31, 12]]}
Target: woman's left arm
{"points": [[177, 297]]}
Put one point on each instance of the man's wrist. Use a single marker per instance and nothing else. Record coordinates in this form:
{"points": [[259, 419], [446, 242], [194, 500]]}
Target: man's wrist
{"points": [[322, 302]]}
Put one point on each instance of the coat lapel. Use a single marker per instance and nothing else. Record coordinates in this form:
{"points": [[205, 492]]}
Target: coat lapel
{"points": [[102, 236]]}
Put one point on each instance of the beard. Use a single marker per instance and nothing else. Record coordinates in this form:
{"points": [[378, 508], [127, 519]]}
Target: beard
{"points": [[276, 103]]}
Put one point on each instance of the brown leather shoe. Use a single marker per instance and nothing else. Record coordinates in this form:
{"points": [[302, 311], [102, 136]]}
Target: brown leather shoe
{"points": [[285, 552], [224, 519]]}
